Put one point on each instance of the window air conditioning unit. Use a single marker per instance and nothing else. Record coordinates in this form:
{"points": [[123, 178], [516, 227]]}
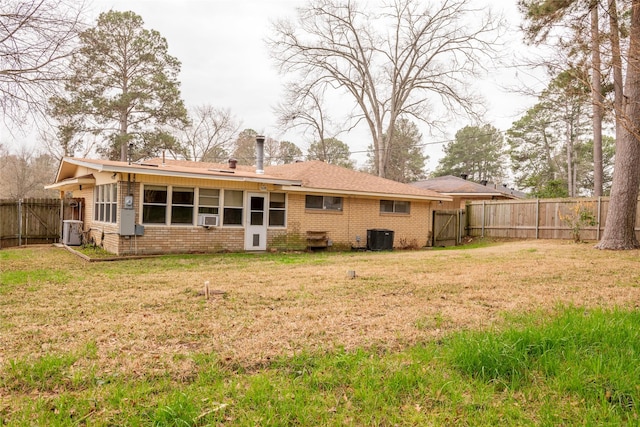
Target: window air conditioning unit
{"points": [[208, 220]]}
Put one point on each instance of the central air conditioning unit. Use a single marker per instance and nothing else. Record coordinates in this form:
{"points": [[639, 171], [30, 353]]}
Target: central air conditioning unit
{"points": [[208, 220]]}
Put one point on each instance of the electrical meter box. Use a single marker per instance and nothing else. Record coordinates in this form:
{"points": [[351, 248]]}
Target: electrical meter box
{"points": [[127, 222]]}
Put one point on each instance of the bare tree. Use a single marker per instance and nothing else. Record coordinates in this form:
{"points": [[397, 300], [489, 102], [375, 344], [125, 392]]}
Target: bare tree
{"points": [[210, 134], [36, 38], [303, 107], [280, 152], [406, 58], [67, 140], [25, 173]]}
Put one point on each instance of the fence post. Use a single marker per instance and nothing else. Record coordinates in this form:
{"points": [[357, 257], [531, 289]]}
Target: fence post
{"points": [[60, 234], [19, 222], [483, 213], [599, 209], [459, 225], [537, 218]]}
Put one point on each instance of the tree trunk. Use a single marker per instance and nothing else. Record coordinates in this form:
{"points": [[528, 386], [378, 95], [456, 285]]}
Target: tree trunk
{"points": [[597, 101], [619, 232], [124, 124], [569, 149], [616, 56], [616, 62], [124, 146]]}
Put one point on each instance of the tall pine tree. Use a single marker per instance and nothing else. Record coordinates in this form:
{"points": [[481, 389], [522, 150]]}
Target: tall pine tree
{"points": [[123, 86], [477, 152]]}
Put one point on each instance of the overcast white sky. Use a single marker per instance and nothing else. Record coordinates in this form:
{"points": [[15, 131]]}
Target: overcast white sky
{"points": [[220, 44]]}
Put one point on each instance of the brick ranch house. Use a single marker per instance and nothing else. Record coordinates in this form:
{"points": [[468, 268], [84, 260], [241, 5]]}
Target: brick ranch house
{"points": [[173, 206]]}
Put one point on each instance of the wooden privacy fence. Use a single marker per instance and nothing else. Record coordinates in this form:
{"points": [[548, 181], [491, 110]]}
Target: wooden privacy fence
{"points": [[538, 218], [35, 221]]}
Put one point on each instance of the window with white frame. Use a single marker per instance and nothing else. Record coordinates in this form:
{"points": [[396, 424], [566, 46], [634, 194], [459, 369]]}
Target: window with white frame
{"points": [[209, 201], [394, 206], [233, 207], [277, 209], [329, 203], [154, 204], [171, 205], [182, 205], [106, 203]]}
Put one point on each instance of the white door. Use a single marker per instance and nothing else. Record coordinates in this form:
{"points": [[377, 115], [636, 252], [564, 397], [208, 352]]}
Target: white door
{"points": [[255, 232]]}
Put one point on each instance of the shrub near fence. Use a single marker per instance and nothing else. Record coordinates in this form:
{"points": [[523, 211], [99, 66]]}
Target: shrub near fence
{"points": [[33, 221], [538, 218]]}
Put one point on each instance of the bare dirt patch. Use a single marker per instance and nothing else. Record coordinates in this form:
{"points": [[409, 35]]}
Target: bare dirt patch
{"points": [[147, 316]]}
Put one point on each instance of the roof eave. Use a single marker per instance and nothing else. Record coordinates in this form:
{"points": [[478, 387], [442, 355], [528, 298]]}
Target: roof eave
{"points": [[454, 194], [395, 196], [160, 171], [70, 184]]}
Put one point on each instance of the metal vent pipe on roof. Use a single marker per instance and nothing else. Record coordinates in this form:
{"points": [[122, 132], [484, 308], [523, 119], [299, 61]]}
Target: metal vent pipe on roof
{"points": [[233, 163], [260, 154], [464, 176]]}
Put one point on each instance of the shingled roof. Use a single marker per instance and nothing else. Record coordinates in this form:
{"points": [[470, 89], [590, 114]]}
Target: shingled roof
{"points": [[317, 176], [310, 177], [455, 186]]}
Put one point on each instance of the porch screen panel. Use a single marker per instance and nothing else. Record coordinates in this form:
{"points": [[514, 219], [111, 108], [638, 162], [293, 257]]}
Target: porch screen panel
{"points": [[209, 201], [106, 203], [106, 214], [154, 207], [277, 209], [114, 202], [182, 205], [233, 207]]}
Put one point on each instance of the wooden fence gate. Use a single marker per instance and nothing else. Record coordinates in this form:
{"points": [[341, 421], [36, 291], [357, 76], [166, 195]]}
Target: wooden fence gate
{"points": [[448, 227], [35, 221]]}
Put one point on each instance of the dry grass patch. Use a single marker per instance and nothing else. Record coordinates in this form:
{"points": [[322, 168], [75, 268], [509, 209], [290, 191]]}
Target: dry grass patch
{"points": [[147, 317]]}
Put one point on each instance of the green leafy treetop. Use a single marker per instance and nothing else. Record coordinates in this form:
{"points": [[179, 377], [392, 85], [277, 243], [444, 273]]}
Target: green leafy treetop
{"points": [[331, 150], [477, 151], [123, 85], [406, 157], [244, 150]]}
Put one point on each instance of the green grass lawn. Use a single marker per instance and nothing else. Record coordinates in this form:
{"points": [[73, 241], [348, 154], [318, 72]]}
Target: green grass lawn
{"points": [[571, 365], [579, 368]]}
